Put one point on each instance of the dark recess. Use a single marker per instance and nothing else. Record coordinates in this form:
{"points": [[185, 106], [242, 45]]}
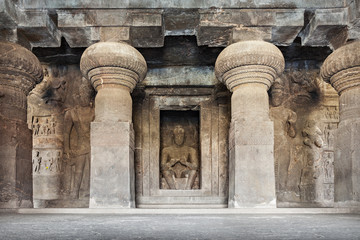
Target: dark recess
{"points": [[183, 51]]}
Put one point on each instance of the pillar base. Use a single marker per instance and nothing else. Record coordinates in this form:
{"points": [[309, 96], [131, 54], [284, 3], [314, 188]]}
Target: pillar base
{"points": [[112, 175], [251, 165]]}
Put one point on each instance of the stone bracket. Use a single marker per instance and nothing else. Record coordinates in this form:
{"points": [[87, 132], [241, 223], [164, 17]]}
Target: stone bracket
{"points": [[221, 27], [327, 27], [140, 28]]}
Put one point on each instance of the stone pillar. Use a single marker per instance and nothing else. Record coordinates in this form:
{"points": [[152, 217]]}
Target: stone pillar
{"points": [[45, 119], [342, 70], [113, 69], [248, 69], [20, 70]]}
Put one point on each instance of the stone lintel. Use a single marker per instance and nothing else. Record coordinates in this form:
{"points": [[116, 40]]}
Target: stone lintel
{"points": [[140, 28], [280, 26], [8, 14], [100, 17], [190, 76], [112, 165], [251, 33], [39, 28], [81, 36], [354, 18], [324, 27], [114, 34], [291, 4]]}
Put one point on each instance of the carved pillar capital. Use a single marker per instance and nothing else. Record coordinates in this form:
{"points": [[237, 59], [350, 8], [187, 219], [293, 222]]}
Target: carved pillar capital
{"points": [[342, 67], [19, 67], [113, 64], [113, 68], [249, 62]]}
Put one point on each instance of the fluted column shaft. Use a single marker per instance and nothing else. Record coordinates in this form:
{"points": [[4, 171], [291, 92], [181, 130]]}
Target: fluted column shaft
{"points": [[248, 69], [113, 69], [20, 70], [342, 70]]}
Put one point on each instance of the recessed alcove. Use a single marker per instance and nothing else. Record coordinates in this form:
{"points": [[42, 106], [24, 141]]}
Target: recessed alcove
{"points": [[179, 150]]}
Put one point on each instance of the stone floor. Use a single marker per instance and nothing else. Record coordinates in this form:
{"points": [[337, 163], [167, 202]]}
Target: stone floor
{"points": [[179, 226]]}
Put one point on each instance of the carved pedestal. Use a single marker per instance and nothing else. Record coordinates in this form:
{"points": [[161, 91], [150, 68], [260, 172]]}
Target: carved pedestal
{"points": [[113, 69], [248, 70], [342, 70], [20, 70]]}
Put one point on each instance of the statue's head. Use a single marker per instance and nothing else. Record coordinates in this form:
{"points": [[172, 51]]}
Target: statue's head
{"points": [[311, 123], [179, 135], [84, 96], [277, 93]]}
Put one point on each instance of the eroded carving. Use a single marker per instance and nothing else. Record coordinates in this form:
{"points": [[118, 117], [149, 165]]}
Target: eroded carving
{"points": [[285, 130], [179, 162], [313, 166], [77, 152], [301, 175], [46, 162]]}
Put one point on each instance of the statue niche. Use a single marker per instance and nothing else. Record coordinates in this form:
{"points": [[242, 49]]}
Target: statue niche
{"points": [[179, 162]]}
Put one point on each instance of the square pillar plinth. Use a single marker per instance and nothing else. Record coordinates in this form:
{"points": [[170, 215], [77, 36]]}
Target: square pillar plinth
{"points": [[112, 165], [251, 165], [347, 165]]}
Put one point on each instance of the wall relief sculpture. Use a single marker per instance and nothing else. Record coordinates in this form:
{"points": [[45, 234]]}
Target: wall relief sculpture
{"points": [[77, 142], [285, 130], [59, 114], [311, 172], [303, 147]]}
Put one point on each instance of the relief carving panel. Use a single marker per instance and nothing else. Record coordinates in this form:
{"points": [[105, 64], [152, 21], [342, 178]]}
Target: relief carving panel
{"points": [[305, 114], [59, 114]]}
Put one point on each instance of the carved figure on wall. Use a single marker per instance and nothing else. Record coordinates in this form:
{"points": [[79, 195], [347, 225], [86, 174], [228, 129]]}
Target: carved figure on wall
{"points": [[36, 126], [77, 152], [329, 135], [57, 161], [56, 91], [303, 86], [285, 129], [312, 137], [313, 143], [37, 162], [307, 181], [332, 113], [47, 127], [179, 161], [52, 124], [329, 167]]}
